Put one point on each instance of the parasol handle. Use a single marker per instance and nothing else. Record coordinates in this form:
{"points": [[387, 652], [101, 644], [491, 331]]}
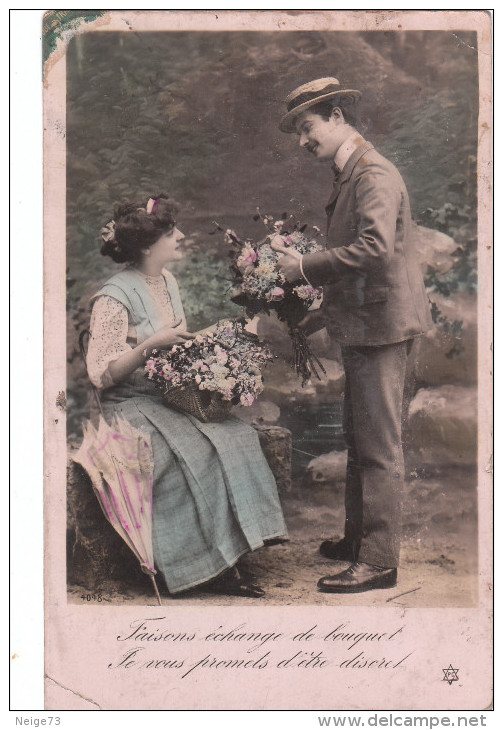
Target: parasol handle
{"points": [[156, 589]]}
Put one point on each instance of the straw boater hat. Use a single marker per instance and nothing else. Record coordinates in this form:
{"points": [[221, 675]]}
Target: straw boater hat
{"points": [[310, 94]]}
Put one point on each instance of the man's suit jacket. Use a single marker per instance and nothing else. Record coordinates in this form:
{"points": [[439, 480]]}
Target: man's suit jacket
{"points": [[373, 286]]}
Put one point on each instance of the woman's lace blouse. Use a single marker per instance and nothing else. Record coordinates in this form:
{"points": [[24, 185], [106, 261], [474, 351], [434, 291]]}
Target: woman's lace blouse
{"points": [[112, 333]]}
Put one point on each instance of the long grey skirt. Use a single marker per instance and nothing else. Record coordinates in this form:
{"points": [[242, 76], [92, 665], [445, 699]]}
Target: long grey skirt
{"points": [[214, 497]]}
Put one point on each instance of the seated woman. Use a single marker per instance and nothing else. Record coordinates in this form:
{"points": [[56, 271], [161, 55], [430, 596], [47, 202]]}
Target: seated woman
{"points": [[214, 496]]}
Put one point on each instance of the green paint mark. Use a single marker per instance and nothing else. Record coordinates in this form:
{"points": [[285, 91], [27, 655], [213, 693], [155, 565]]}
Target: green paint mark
{"points": [[57, 22]]}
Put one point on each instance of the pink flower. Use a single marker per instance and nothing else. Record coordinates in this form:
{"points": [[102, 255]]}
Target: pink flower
{"points": [[275, 294], [306, 292], [200, 365], [243, 266], [246, 259], [246, 399], [220, 355], [250, 256]]}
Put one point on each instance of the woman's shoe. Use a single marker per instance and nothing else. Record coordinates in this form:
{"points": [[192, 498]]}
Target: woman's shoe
{"points": [[276, 541], [231, 583]]}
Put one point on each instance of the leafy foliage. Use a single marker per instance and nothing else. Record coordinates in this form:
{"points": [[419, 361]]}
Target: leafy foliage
{"points": [[460, 224], [196, 114], [205, 288]]}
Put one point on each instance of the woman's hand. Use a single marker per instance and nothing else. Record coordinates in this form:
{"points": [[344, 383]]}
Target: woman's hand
{"points": [[167, 335], [206, 330], [133, 359]]}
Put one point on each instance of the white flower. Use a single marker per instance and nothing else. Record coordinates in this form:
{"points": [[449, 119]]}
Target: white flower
{"points": [[219, 370]]}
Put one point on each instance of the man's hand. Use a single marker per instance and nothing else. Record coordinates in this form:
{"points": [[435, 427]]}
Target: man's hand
{"points": [[289, 261]]}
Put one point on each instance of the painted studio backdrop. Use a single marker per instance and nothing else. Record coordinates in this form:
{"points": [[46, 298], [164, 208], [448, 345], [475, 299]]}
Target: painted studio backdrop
{"points": [[196, 115]]}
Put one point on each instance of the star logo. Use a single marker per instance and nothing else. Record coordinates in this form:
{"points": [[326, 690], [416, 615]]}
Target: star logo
{"points": [[450, 674]]}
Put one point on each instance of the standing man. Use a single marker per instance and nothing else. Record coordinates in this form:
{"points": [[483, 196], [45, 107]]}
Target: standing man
{"points": [[374, 304]]}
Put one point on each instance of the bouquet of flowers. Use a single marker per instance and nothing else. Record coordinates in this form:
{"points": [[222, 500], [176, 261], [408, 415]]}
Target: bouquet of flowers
{"points": [[262, 287], [220, 367]]}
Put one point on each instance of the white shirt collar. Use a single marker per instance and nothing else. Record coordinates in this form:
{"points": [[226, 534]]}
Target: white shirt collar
{"points": [[346, 149]]}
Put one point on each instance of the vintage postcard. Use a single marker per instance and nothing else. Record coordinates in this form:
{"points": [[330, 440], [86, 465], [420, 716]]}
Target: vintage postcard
{"points": [[268, 317]]}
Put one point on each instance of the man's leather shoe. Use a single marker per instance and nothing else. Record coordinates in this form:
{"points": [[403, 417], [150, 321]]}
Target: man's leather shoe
{"points": [[359, 577], [341, 550]]}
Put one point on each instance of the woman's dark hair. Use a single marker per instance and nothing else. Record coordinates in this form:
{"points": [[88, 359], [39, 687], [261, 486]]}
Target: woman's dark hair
{"points": [[347, 105], [136, 230]]}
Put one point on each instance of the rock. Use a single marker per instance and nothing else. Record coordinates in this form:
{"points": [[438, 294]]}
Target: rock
{"points": [[332, 382], [441, 357], [283, 386], [261, 412], [276, 443], [328, 468], [442, 426], [434, 249], [97, 558]]}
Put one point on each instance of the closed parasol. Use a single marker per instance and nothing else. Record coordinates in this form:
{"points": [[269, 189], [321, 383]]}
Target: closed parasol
{"points": [[118, 460]]}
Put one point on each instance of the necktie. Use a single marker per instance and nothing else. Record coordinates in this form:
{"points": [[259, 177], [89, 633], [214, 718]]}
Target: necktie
{"points": [[335, 192]]}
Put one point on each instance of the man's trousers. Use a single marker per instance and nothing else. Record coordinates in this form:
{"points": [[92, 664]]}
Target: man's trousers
{"points": [[372, 422]]}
